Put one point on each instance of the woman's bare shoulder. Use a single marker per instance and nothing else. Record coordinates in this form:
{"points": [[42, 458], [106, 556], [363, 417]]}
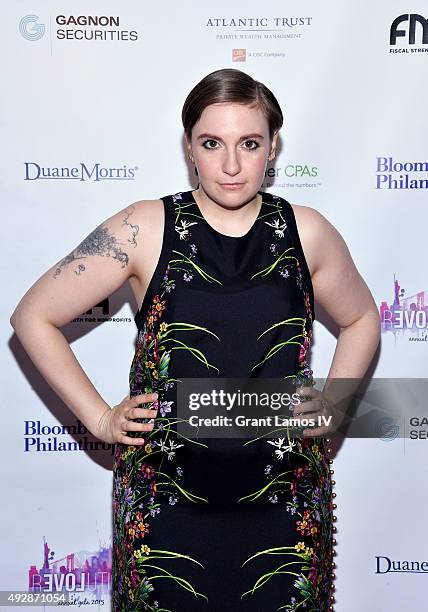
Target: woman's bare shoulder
{"points": [[317, 234], [149, 209], [149, 216]]}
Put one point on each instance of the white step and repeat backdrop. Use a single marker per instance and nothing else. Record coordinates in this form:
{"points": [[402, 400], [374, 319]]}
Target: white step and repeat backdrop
{"points": [[90, 120]]}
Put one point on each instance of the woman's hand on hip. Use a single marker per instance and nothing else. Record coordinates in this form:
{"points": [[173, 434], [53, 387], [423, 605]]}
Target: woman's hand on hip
{"points": [[116, 423]]}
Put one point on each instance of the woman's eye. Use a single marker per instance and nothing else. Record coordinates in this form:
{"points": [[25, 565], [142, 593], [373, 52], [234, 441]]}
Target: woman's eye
{"points": [[253, 144], [204, 144]]}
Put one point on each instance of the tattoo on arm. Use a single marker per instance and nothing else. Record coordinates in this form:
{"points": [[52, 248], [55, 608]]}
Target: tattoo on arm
{"points": [[101, 242]]}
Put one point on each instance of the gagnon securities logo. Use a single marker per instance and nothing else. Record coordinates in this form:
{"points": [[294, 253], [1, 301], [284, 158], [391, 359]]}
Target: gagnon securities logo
{"points": [[81, 577], [409, 34], [78, 28], [96, 172], [396, 175], [406, 314]]}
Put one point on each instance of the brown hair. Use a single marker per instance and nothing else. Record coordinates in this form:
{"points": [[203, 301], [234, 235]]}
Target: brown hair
{"points": [[230, 85]]}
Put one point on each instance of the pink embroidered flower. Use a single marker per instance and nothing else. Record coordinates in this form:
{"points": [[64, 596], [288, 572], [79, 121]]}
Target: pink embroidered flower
{"points": [[303, 350], [147, 470]]}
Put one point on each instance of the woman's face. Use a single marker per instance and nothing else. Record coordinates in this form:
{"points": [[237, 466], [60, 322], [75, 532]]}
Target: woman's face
{"points": [[230, 146]]}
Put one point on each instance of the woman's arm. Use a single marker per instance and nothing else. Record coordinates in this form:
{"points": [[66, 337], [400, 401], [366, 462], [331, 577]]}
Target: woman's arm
{"points": [[97, 267], [344, 295], [342, 292]]}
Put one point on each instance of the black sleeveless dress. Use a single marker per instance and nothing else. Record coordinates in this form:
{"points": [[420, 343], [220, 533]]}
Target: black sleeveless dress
{"points": [[219, 525]]}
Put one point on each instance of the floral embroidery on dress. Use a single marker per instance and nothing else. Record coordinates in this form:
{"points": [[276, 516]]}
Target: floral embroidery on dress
{"points": [[279, 228], [309, 483], [149, 476], [138, 469]]}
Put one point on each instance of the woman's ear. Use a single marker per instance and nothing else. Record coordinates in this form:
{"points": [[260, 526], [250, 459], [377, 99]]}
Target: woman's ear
{"points": [[189, 151], [273, 146]]}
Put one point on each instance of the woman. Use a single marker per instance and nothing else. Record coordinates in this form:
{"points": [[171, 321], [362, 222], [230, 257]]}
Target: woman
{"points": [[226, 276]]}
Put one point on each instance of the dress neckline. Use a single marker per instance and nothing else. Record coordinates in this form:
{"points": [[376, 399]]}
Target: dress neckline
{"points": [[226, 236]]}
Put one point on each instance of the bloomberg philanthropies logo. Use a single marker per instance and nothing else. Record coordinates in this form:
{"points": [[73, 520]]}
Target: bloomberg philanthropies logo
{"points": [[391, 174], [81, 172], [58, 438]]}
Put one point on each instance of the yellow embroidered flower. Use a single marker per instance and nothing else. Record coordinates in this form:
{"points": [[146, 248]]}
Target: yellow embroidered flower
{"points": [[150, 364], [155, 374], [309, 552], [141, 552], [300, 546], [163, 327], [314, 530], [148, 448]]}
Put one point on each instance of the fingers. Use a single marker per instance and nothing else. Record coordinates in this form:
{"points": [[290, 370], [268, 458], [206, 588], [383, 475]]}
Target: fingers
{"points": [[145, 398], [311, 408], [131, 411], [125, 439], [304, 390], [135, 426], [141, 413]]}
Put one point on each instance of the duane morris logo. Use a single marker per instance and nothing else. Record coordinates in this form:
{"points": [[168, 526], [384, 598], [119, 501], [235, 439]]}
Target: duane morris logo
{"points": [[81, 172], [385, 565], [409, 29]]}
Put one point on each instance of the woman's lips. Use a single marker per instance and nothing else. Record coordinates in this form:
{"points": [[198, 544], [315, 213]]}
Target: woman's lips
{"points": [[232, 185]]}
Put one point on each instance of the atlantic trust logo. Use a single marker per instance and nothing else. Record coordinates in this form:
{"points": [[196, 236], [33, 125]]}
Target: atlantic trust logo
{"points": [[95, 172], [406, 31], [258, 28], [258, 22]]}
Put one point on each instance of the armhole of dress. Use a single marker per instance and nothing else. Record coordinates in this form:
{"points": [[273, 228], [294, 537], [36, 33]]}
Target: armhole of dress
{"points": [[165, 254], [292, 225]]}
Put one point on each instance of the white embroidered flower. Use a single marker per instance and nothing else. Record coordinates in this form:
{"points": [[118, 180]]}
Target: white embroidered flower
{"points": [[184, 229], [281, 448], [279, 442], [169, 450], [278, 227]]}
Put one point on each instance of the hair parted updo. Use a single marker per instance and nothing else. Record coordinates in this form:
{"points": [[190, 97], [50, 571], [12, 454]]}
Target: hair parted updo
{"points": [[234, 86]]}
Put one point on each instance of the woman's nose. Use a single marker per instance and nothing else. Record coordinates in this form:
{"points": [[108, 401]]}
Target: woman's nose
{"points": [[231, 163]]}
